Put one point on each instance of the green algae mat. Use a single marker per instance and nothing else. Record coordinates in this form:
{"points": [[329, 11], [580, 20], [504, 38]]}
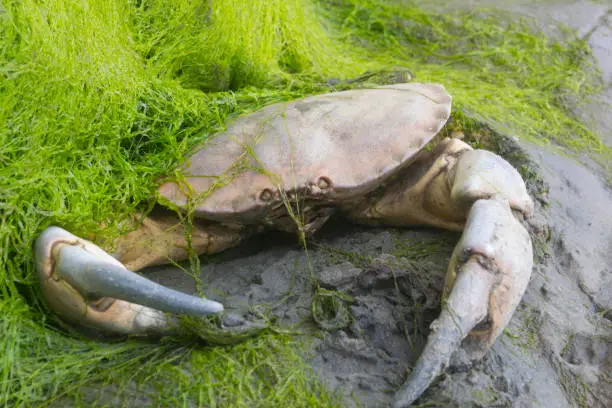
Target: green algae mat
{"points": [[100, 99]]}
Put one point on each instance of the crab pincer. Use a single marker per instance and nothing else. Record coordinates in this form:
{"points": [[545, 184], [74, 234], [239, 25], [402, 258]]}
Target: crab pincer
{"points": [[488, 273]]}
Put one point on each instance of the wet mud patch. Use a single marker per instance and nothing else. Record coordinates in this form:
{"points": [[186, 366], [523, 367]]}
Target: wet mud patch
{"points": [[363, 296]]}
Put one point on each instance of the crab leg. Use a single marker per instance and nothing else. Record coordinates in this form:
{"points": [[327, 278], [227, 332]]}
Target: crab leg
{"points": [[487, 275], [84, 284], [491, 265]]}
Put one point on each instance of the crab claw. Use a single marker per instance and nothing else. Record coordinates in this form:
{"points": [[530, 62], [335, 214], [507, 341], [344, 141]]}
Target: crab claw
{"points": [[85, 285], [488, 273]]}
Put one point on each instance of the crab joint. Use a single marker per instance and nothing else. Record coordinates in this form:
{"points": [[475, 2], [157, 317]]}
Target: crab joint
{"points": [[84, 284], [487, 276]]}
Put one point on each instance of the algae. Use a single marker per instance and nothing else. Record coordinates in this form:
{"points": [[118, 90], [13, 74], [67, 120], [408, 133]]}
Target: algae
{"points": [[100, 100]]}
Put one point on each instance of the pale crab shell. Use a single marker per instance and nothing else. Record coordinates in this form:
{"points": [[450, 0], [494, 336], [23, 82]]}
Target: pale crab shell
{"points": [[330, 147]]}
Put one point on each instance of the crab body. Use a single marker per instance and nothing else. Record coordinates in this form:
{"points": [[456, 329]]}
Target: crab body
{"points": [[369, 155]]}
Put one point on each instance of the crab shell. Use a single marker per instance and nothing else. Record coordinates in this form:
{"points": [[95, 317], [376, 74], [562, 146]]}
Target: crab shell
{"points": [[326, 148]]}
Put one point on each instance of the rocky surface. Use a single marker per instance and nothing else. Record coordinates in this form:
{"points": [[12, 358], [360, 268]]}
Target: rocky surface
{"points": [[375, 291]]}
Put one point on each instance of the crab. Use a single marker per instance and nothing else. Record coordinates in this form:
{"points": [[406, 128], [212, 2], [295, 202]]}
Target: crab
{"points": [[370, 155]]}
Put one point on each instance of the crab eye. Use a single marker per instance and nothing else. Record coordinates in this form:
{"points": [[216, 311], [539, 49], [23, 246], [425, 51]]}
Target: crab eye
{"points": [[266, 195], [324, 183]]}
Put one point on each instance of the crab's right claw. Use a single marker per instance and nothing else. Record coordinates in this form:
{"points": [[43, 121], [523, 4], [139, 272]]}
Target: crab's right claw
{"points": [[86, 286], [487, 276]]}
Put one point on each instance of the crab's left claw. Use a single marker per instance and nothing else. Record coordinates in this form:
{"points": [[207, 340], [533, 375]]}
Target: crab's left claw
{"points": [[87, 286], [488, 273]]}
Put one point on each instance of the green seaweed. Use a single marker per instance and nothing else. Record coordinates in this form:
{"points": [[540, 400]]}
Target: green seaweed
{"points": [[100, 100], [330, 309], [420, 250]]}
